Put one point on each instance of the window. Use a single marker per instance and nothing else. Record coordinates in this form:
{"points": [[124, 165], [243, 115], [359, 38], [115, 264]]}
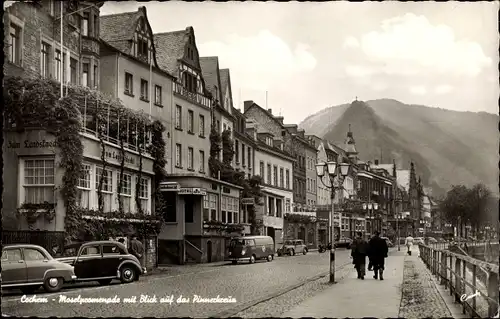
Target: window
{"points": [[178, 117], [84, 186], [202, 161], [210, 207], [190, 121], [111, 250], [96, 76], [249, 157], [261, 169], [85, 24], [72, 67], [33, 255], [64, 64], [144, 195], [190, 158], [287, 205], [15, 45], [157, 95], [45, 61], [58, 65], [287, 179], [129, 83], [11, 255], [91, 250], [230, 210], [126, 191], [270, 206], [190, 82], [142, 48], [275, 175], [223, 207], [279, 207], [178, 155], [38, 181], [269, 174], [237, 151], [107, 187], [202, 125], [282, 177], [242, 154], [85, 75], [144, 90]]}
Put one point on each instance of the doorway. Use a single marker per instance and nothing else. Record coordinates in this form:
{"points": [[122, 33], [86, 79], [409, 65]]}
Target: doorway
{"points": [[209, 251]]}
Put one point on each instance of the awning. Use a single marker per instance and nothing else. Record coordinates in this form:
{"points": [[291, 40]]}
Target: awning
{"points": [[388, 183], [271, 193], [365, 175]]}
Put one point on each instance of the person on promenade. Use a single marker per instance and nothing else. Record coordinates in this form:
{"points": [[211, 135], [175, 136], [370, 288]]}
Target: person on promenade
{"points": [[136, 248], [409, 244], [377, 251], [370, 263], [359, 249]]}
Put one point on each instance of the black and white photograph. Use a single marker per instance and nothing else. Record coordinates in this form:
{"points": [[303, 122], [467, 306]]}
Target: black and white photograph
{"points": [[250, 159]]}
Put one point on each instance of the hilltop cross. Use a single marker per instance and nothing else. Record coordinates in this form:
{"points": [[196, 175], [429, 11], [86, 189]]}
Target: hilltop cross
{"points": [[356, 98]]}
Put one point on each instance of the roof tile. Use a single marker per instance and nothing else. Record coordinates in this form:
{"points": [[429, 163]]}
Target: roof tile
{"points": [[170, 48], [210, 71], [117, 29]]}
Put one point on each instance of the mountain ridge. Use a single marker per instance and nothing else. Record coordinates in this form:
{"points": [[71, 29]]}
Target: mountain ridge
{"points": [[448, 147]]}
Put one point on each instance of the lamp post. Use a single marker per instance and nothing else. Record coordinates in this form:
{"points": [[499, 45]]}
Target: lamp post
{"points": [[398, 216], [370, 207], [340, 171]]}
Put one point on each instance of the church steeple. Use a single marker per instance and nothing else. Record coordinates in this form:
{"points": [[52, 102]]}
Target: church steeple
{"points": [[393, 168], [350, 146]]}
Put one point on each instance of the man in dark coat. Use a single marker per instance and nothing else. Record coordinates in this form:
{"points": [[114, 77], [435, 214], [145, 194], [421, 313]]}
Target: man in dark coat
{"points": [[359, 250], [378, 252], [136, 248]]}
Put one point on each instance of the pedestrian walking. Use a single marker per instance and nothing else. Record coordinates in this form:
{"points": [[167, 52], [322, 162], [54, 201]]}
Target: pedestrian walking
{"points": [[370, 263], [359, 250], [409, 244], [377, 251], [136, 248]]}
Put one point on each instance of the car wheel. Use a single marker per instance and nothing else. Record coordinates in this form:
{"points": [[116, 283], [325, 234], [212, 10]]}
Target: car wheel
{"points": [[53, 284], [29, 289], [234, 262], [252, 259], [269, 258], [104, 282], [127, 274], [304, 251]]}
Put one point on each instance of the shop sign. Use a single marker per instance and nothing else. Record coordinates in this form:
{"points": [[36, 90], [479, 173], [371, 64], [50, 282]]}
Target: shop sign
{"points": [[117, 156], [192, 191], [248, 201], [169, 187], [32, 144]]}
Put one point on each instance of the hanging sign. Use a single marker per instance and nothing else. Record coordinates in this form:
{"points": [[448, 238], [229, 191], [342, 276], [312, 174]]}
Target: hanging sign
{"points": [[248, 201], [169, 187]]}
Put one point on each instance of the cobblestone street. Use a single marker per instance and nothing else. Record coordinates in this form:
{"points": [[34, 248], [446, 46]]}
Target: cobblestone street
{"points": [[246, 283]]}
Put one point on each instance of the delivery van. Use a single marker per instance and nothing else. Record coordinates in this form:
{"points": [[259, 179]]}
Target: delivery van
{"points": [[251, 248]]}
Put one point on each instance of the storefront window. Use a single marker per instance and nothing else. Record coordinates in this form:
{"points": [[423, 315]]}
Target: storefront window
{"points": [[38, 181]]}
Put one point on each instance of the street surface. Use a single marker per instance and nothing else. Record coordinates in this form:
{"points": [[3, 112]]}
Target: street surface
{"points": [[247, 284]]}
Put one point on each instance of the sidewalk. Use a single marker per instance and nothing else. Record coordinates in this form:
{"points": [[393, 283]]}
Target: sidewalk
{"points": [[356, 298]]}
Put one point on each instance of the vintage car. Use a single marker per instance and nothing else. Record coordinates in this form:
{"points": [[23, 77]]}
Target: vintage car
{"points": [[102, 261], [251, 248], [343, 242], [28, 267], [292, 247]]}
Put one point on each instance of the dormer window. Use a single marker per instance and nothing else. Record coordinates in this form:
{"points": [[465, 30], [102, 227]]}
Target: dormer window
{"points": [[269, 141], [142, 48]]}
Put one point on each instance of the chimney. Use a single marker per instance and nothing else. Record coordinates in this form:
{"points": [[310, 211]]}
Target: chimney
{"points": [[270, 111], [376, 162], [247, 104]]}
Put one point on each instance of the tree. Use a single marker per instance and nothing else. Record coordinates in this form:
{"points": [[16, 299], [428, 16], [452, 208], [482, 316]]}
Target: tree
{"points": [[455, 207], [214, 163]]}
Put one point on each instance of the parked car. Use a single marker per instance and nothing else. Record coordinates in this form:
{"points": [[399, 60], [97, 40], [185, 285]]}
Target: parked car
{"points": [[28, 267], [102, 261], [251, 248], [343, 242], [292, 247], [388, 241]]}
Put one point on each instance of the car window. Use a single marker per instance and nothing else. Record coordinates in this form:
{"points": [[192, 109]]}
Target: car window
{"points": [[11, 255], [111, 250], [70, 251], [31, 254], [288, 242], [90, 250], [249, 242]]}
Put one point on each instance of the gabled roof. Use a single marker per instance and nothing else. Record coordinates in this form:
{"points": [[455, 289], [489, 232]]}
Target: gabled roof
{"points": [[403, 179], [265, 112], [210, 71], [118, 30], [170, 48], [334, 148], [387, 167], [225, 80]]}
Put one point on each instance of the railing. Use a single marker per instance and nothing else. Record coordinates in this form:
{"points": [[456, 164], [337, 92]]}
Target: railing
{"points": [[192, 96], [461, 275]]}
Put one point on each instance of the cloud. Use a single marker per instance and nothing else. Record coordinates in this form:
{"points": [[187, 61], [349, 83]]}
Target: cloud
{"points": [[358, 70], [418, 90], [443, 89], [379, 86], [411, 45], [261, 60], [351, 42]]}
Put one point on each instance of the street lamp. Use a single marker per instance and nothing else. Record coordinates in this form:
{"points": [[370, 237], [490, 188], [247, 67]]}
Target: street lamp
{"points": [[370, 207], [340, 171]]}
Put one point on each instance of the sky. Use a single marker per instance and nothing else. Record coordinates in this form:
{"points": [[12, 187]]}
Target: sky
{"points": [[309, 56]]}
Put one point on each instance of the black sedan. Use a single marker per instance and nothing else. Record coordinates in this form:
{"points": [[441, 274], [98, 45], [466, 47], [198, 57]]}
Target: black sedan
{"points": [[102, 261]]}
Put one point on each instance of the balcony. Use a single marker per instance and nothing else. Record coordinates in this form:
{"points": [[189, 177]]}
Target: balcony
{"points": [[191, 96]]}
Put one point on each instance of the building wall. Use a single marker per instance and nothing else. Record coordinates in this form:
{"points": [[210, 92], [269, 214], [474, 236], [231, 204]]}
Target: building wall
{"points": [[185, 139], [250, 167], [37, 24], [266, 123], [311, 176]]}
